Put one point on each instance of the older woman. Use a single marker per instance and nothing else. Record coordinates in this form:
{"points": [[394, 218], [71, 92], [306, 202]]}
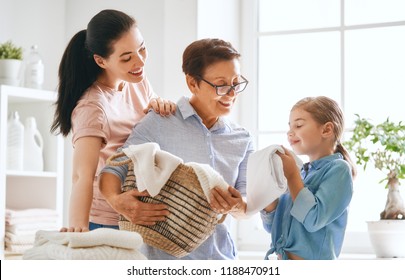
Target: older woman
{"points": [[197, 132]]}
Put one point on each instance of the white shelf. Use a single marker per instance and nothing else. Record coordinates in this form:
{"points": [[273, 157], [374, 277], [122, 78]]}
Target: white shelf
{"points": [[43, 174], [20, 94], [28, 189]]}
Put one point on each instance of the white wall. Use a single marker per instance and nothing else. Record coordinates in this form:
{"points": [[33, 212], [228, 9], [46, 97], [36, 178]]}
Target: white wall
{"points": [[39, 22]]}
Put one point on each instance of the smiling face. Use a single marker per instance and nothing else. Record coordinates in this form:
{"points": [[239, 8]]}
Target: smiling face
{"points": [[204, 100], [127, 61], [307, 137]]}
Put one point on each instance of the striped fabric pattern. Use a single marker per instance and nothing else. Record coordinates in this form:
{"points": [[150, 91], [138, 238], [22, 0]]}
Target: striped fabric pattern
{"points": [[191, 220]]}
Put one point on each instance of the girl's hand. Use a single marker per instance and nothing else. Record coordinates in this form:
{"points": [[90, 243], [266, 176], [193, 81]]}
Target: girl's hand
{"points": [[227, 201], [161, 106], [291, 172], [290, 167]]}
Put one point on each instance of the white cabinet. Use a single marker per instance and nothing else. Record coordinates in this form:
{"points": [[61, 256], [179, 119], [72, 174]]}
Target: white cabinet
{"points": [[24, 189]]}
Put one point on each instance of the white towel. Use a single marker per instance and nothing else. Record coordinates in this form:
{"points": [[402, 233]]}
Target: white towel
{"points": [[265, 178], [152, 166], [101, 236], [52, 251], [19, 239], [98, 244], [208, 178], [31, 212], [31, 216], [25, 228], [17, 248]]}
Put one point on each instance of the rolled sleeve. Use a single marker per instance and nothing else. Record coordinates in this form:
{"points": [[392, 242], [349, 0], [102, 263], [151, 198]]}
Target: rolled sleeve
{"points": [[303, 203], [89, 119], [317, 207], [119, 171], [267, 219]]}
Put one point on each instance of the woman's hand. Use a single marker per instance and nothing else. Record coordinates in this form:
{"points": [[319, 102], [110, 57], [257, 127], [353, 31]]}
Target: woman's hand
{"points": [[227, 201], [136, 211], [74, 229], [161, 106]]}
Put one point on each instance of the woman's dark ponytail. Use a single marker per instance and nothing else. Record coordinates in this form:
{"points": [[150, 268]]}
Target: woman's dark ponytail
{"points": [[77, 71]]}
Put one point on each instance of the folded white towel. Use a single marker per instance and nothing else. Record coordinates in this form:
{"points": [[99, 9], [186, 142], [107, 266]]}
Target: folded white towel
{"points": [[31, 220], [101, 236], [152, 166], [17, 248], [19, 239], [52, 251], [22, 228], [208, 177], [31, 212], [265, 178], [31, 216], [98, 244]]}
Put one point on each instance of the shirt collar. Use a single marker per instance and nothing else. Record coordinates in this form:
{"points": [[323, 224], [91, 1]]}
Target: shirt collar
{"points": [[185, 107], [187, 111], [319, 163]]}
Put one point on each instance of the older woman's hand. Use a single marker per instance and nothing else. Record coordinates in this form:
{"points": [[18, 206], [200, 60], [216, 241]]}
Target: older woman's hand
{"points": [[228, 201], [138, 212], [161, 106]]}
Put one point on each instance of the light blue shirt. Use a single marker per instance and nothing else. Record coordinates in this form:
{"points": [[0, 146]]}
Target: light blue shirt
{"points": [[225, 147], [313, 226]]}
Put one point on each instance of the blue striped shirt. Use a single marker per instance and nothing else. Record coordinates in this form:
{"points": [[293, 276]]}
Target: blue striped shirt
{"points": [[225, 147]]}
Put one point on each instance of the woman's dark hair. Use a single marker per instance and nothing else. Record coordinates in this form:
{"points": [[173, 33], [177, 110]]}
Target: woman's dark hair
{"points": [[78, 70], [202, 53]]}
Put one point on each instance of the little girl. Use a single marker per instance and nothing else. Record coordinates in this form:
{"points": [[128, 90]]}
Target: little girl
{"points": [[309, 221]]}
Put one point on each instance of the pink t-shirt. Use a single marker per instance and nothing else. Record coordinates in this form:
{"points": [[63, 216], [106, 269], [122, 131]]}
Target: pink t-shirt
{"points": [[111, 115]]}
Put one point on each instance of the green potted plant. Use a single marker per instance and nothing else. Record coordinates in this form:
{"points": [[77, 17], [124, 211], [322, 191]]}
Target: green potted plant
{"points": [[383, 146], [11, 57]]}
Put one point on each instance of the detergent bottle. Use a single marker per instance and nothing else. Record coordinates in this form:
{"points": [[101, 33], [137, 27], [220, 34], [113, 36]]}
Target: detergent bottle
{"points": [[33, 147], [15, 142]]}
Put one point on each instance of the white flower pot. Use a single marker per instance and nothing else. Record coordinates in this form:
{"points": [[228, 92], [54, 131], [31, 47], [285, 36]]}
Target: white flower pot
{"points": [[10, 71], [387, 238]]}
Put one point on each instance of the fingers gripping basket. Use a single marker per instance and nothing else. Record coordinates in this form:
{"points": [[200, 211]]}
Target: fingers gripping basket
{"points": [[191, 220]]}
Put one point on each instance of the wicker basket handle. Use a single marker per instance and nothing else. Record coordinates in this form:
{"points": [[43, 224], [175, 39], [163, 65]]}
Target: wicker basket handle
{"points": [[111, 160]]}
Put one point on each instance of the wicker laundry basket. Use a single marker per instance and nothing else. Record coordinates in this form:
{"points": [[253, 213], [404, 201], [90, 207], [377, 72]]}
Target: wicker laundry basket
{"points": [[191, 220]]}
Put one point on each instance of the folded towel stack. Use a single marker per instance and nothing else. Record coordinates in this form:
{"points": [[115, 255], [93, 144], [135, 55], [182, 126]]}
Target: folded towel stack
{"points": [[21, 226], [98, 244]]}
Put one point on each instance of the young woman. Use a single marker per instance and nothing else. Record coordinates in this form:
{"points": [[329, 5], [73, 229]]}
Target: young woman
{"points": [[103, 93], [309, 221], [198, 132]]}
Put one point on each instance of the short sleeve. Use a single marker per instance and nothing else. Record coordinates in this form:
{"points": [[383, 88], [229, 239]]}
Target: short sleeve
{"points": [[89, 119]]}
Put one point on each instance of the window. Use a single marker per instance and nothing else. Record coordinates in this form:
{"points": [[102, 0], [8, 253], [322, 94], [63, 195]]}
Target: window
{"points": [[352, 51]]}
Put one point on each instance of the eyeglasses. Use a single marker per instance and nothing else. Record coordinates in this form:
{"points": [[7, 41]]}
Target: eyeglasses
{"points": [[224, 90]]}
